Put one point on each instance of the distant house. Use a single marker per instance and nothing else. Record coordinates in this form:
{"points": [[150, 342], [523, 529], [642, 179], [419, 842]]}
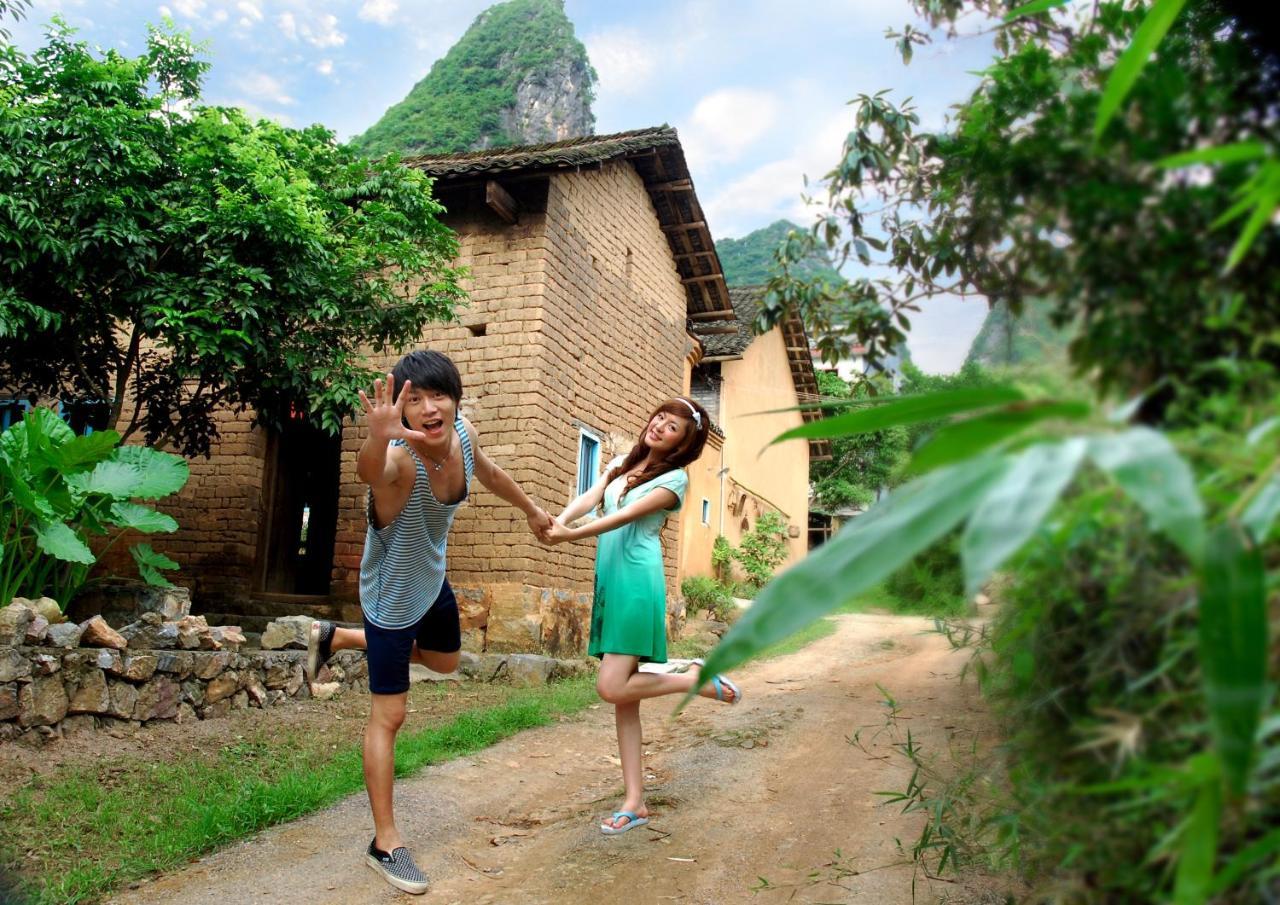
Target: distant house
{"points": [[595, 292], [743, 380]]}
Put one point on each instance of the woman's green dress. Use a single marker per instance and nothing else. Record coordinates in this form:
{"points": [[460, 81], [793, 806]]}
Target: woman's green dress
{"points": [[629, 613]]}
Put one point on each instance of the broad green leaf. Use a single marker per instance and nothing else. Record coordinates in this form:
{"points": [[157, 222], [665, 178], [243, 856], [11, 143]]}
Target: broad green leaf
{"points": [[23, 495], [81, 452], [1198, 842], [1032, 8], [1015, 505], [150, 563], [45, 432], [1233, 647], [142, 518], [118, 480], [966, 438], [868, 549], [904, 410], [1233, 153], [162, 473], [1147, 467], [58, 540], [1135, 56], [1262, 512]]}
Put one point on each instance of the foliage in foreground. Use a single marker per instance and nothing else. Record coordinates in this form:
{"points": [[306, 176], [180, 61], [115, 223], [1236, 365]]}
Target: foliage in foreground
{"points": [[58, 490], [165, 259]]}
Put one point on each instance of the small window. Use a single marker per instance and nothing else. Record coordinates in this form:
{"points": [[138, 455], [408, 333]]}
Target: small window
{"points": [[706, 511], [12, 410], [588, 460]]}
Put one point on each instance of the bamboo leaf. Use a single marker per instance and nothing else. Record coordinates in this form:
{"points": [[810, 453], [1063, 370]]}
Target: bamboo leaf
{"points": [[1032, 8], [904, 410], [1232, 153], [1233, 647], [1129, 66], [1147, 467], [1261, 431], [1262, 512], [962, 439], [866, 551], [1015, 506], [1198, 840]]}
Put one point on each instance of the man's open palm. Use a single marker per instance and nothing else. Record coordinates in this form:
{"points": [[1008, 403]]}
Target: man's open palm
{"points": [[386, 415]]}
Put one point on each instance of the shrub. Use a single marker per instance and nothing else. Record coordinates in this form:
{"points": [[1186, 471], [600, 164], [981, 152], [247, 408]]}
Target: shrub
{"points": [[763, 548], [932, 584], [722, 557], [702, 594]]}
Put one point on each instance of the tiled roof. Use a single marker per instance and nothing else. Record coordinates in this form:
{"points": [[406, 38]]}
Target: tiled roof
{"points": [[658, 157]]}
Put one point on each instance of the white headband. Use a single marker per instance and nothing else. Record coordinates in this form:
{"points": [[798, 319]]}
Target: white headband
{"points": [[697, 416]]}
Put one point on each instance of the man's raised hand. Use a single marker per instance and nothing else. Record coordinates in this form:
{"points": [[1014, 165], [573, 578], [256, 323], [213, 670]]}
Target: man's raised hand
{"points": [[386, 415]]}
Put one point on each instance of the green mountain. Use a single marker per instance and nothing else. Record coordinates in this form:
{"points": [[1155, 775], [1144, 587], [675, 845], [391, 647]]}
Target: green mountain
{"points": [[518, 76], [749, 261], [1009, 339]]}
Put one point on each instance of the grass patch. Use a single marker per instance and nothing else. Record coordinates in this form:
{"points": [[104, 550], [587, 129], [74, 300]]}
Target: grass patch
{"points": [[80, 832]]}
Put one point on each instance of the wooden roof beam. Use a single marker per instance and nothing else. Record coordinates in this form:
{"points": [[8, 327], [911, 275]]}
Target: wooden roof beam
{"points": [[500, 202]]}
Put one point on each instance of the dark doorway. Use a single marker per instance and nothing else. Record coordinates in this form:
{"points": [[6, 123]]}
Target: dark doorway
{"points": [[301, 521]]}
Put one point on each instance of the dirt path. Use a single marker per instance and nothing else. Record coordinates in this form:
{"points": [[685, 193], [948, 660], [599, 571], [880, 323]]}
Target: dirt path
{"points": [[768, 789]]}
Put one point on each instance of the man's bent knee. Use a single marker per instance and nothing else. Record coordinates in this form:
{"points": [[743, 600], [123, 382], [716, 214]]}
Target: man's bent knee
{"points": [[438, 661], [388, 712]]}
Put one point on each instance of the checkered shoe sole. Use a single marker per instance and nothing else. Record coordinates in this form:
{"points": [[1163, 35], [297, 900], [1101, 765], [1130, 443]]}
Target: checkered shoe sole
{"points": [[398, 869], [319, 637]]}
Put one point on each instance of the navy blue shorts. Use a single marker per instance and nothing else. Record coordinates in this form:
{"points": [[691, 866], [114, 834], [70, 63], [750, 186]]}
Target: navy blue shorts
{"points": [[389, 649]]}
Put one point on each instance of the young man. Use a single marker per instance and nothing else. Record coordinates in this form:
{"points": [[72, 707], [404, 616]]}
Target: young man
{"points": [[418, 462]]}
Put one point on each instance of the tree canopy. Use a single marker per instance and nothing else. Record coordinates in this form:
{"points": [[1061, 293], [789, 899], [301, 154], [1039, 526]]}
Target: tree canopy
{"points": [[169, 258], [1015, 199]]}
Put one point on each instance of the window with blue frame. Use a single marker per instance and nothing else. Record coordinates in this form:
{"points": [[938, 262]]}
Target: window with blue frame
{"points": [[84, 416], [588, 460]]}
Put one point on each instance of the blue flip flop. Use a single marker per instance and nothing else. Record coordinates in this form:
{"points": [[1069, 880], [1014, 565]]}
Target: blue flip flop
{"points": [[720, 683], [632, 821]]}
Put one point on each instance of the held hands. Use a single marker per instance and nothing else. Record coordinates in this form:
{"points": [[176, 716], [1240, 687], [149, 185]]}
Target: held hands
{"points": [[386, 414], [555, 533], [539, 521]]}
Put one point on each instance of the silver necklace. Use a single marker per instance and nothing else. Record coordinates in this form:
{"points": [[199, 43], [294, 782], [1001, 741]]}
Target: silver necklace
{"points": [[439, 465]]}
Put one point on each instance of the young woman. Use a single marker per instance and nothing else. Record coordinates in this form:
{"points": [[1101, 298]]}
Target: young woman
{"points": [[629, 615]]}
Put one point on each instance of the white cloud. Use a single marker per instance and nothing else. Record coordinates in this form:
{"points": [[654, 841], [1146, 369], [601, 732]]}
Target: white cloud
{"points": [[725, 123], [325, 67], [623, 59], [262, 87], [250, 11], [165, 12], [380, 11], [189, 8], [774, 190], [254, 112], [321, 30]]}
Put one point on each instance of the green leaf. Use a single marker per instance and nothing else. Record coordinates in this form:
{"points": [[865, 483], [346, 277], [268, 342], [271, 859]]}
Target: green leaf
{"points": [[1233, 153], [23, 495], [117, 480], [904, 410], [1262, 512], [1147, 467], [81, 452], [1265, 848], [962, 439], [1032, 8], [1261, 431], [1015, 506], [1198, 841], [142, 518], [59, 541], [867, 550], [1233, 647], [1129, 66], [162, 473], [1264, 200], [150, 563]]}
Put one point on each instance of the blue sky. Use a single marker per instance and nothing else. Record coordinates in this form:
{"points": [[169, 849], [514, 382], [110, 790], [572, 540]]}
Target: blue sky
{"points": [[756, 88]]}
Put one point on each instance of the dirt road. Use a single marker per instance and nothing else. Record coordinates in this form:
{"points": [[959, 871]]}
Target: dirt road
{"points": [[769, 789]]}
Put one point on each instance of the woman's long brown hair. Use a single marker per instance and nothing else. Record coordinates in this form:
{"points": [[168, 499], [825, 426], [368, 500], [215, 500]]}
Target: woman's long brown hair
{"points": [[684, 452]]}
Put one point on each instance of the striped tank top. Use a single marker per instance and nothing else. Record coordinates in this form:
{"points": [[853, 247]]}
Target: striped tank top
{"points": [[402, 569]]}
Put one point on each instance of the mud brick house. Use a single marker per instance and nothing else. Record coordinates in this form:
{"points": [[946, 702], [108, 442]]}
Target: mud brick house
{"points": [[739, 378], [594, 290]]}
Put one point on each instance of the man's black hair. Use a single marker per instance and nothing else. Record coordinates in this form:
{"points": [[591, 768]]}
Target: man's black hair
{"points": [[429, 371]]}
